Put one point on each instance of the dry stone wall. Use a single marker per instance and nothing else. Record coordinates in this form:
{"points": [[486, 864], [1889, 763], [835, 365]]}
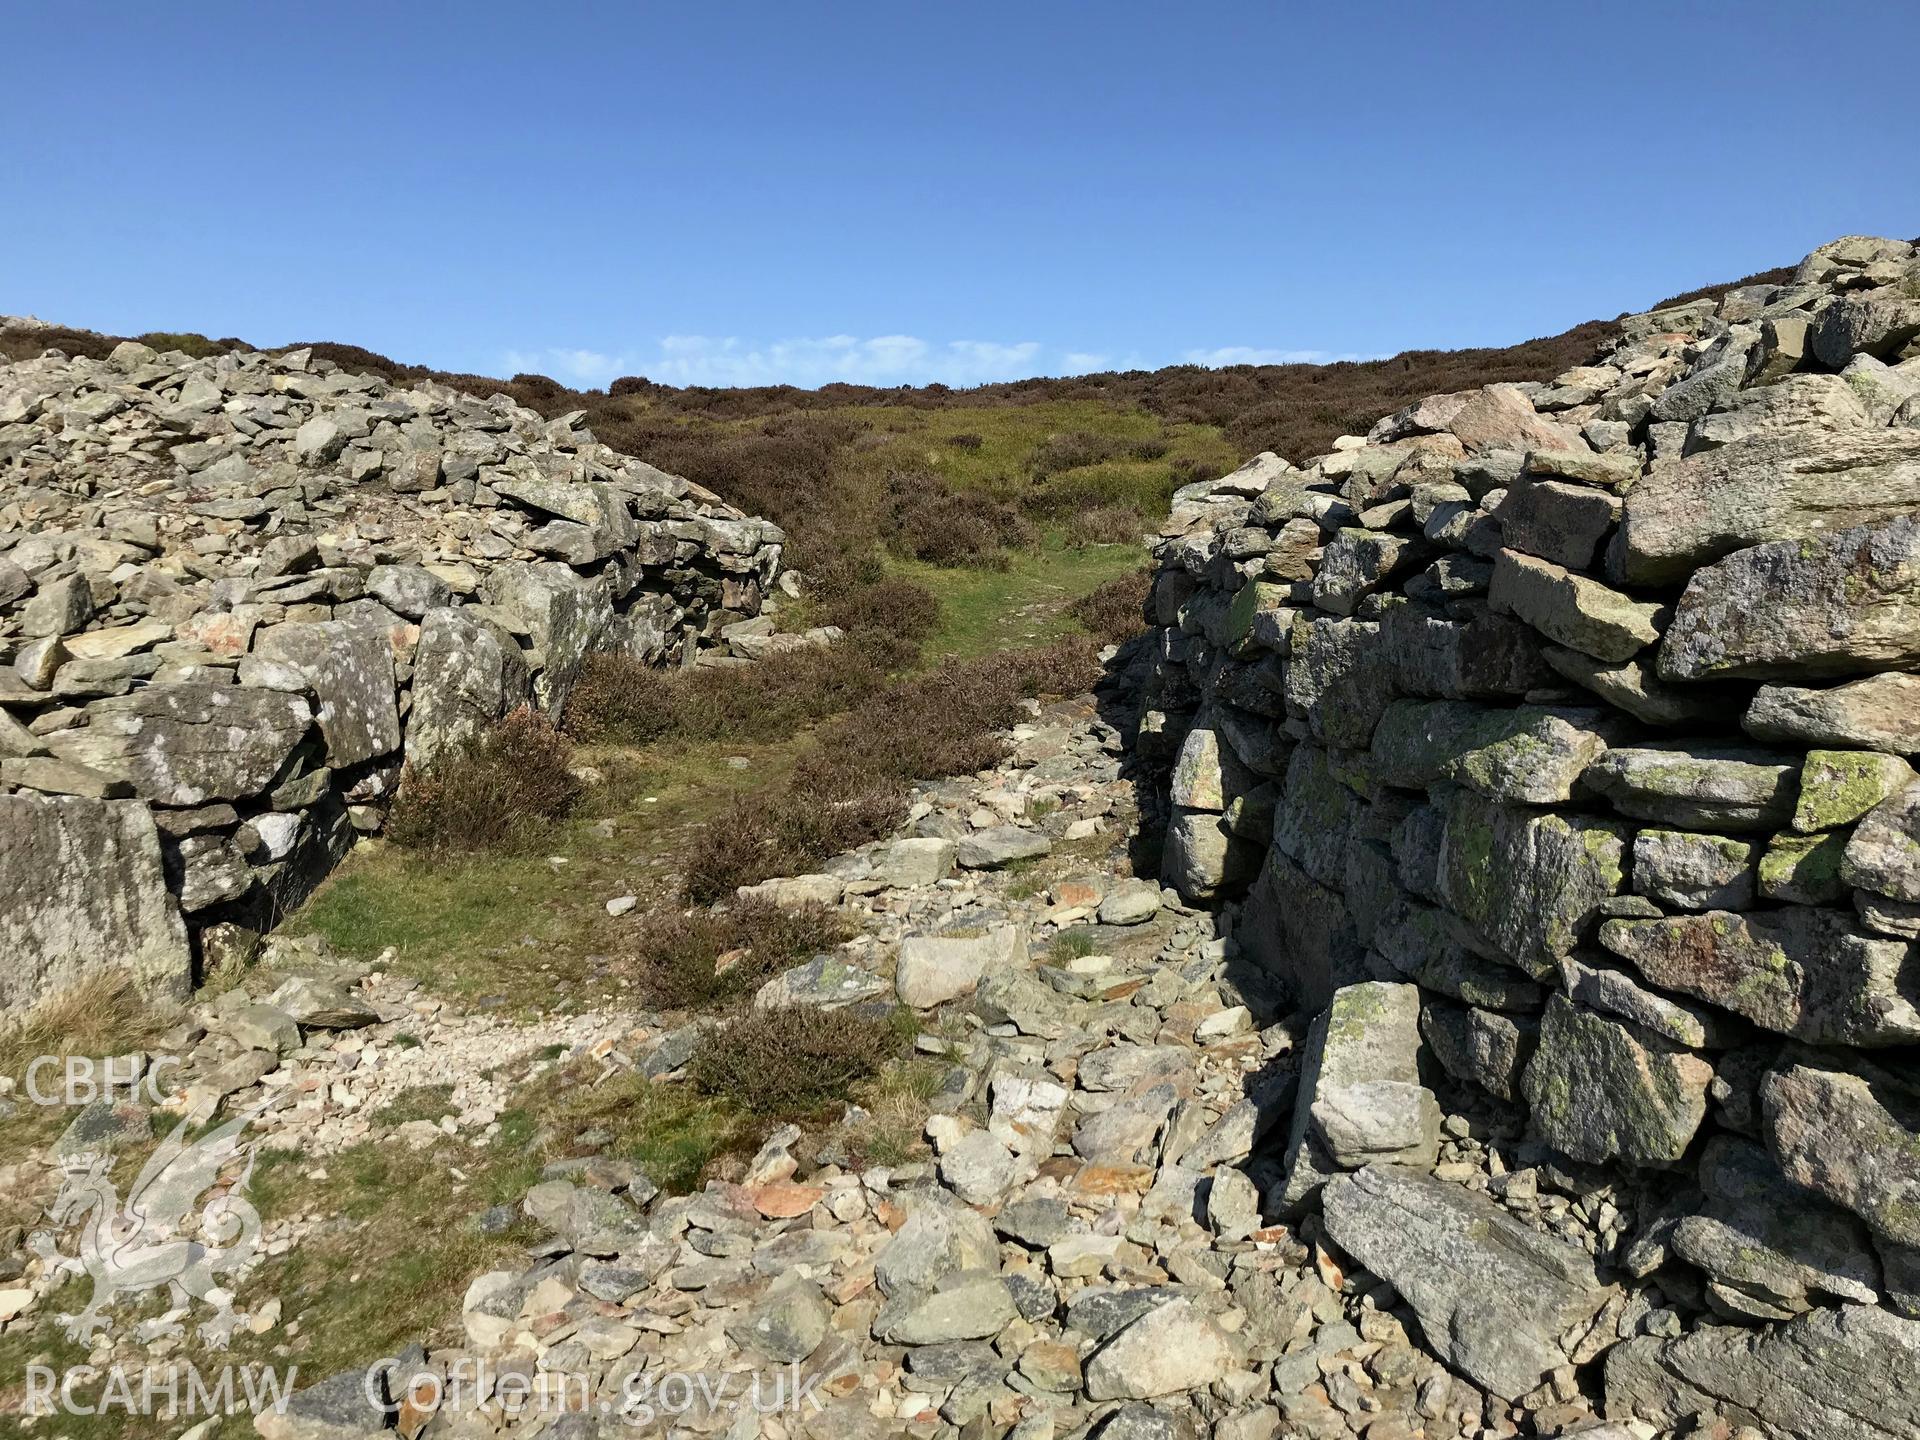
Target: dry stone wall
{"points": [[239, 593], [1554, 744]]}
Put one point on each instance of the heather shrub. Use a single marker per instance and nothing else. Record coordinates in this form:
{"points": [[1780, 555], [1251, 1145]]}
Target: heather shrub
{"points": [[679, 955], [1106, 525], [26, 343], [929, 520], [621, 701], [618, 700], [1116, 611], [503, 789], [794, 1060], [851, 785], [1083, 447], [545, 387], [891, 607], [188, 342], [786, 833]]}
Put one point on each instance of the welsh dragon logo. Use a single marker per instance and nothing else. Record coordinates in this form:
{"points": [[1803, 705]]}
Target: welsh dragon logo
{"points": [[147, 1243]]}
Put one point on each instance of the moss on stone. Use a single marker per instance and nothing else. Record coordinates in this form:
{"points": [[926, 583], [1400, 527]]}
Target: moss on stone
{"points": [[1804, 869], [1837, 787]]}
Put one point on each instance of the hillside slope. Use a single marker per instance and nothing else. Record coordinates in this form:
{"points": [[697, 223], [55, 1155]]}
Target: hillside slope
{"points": [[963, 477]]}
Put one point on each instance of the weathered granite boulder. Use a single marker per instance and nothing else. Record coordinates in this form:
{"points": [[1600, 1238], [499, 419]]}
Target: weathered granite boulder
{"points": [[1360, 1097], [1608, 989], [1786, 486], [1481, 656], [1808, 973], [189, 744], [1843, 603], [561, 619], [1358, 562], [1601, 1088], [1528, 882], [1422, 942], [1884, 854], [1341, 678], [59, 923], [592, 521], [1170, 1348], [1837, 787], [1208, 775], [1851, 1136], [1804, 869], [1202, 857], [1842, 1374], [1315, 816], [1494, 1296], [1483, 1047], [1558, 522], [349, 668], [1684, 870], [1877, 323], [939, 1237], [1501, 417], [933, 969], [467, 673]]}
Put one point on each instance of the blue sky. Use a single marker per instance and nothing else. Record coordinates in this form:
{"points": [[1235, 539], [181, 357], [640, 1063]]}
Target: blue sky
{"points": [[745, 193]]}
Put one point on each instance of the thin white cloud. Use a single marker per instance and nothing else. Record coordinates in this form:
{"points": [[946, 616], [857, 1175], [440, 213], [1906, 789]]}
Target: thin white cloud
{"points": [[872, 360], [1252, 355], [807, 361], [588, 368], [877, 360]]}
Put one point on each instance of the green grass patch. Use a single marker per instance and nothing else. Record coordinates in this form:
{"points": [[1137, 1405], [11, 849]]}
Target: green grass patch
{"points": [[522, 925], [1018, 442], [982, 611], [397, 1245], [1071, 945], [417, 1102]]}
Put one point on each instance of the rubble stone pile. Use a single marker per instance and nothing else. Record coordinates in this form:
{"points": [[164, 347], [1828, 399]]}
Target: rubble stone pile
{"points": [[238, 593], [1552, 744]]}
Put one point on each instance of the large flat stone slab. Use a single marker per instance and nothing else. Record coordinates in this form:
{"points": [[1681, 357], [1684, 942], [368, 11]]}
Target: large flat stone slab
{"points": [[1784, 486], [1880, 712], [191, 744], [1700, 786], [1528, 755], [1843, 603], [1570, 609], [1494, 1296], [1851, 1373], [1808, 973]]}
